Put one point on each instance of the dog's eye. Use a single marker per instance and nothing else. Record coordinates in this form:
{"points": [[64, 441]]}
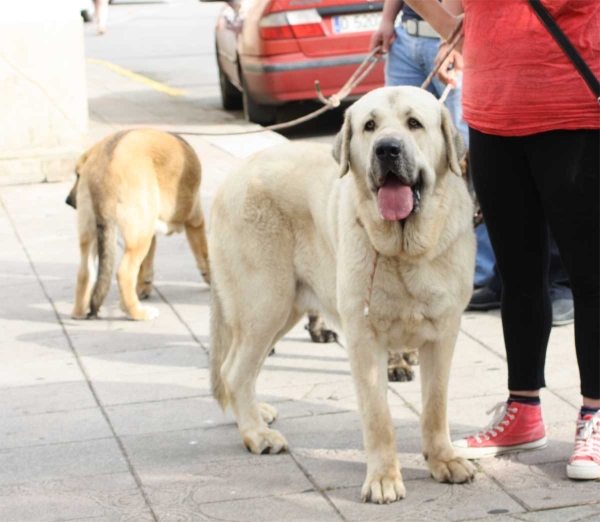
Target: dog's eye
{"points": [[414, 124], [370, 125]]}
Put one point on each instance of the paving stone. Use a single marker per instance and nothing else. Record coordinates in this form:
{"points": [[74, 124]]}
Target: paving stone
{"points": [[153, 387], [540, 486], [167, 359], [152, 417], [106, 498], [582, 513], [306, 507], [181, 452], [228, 480], [56, 370], [571, 394], [49, 398], [429, 501], [340, 468], [53, 428], [55, 461]]}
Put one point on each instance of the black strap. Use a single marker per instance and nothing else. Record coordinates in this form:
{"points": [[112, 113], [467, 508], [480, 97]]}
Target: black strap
{"points": [[567, 47]]}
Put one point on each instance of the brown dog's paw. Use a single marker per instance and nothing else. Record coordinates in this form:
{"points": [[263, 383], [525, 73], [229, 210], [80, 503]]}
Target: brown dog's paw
{"points": [[319, 333], [144, 290], [399, 370]]}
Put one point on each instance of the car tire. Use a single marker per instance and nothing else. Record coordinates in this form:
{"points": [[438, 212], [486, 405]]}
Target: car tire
{"points": [[254, 112], [87, 17], [231, 97]]}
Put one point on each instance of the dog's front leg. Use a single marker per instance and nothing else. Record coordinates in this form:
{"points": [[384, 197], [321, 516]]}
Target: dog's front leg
{"points": [[435, 359], [369, 368]]}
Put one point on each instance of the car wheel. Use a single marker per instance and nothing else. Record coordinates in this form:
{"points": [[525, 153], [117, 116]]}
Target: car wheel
{"points": [[87, 17], [254, 112], [231, 97]]}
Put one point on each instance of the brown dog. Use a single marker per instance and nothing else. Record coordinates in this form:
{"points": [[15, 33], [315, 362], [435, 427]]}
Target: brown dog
{"points": [[142, 182]]}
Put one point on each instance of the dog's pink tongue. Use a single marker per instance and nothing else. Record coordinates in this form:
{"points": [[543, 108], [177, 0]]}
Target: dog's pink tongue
{"points": [[395, 199]]}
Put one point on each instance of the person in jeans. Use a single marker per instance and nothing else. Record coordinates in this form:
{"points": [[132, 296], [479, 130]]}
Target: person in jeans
{"points": [[534, 130]]}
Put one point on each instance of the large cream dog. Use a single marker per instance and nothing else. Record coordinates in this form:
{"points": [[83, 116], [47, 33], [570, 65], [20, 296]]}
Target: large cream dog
{"points": [[140, 182], [288, 235]]}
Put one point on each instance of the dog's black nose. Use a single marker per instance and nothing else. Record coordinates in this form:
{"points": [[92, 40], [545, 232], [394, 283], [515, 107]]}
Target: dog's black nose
{"points": [[387, 149]]}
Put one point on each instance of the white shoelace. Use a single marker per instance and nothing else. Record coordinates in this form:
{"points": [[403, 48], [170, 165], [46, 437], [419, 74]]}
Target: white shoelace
{"points": [[502, 417], [587, 438]]}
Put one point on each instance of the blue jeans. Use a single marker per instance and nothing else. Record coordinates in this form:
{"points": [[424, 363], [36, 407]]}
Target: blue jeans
{"points": [[410, 61]]}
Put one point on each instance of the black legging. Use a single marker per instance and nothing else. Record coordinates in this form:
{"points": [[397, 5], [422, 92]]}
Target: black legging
{"points": [[525, 184]]}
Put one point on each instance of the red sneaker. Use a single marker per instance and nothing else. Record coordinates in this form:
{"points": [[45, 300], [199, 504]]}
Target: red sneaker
{"points": [[585, 462], [515, 427]]}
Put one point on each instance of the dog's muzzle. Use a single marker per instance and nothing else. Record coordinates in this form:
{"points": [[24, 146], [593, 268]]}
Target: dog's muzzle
{"points": [[396, 180]]}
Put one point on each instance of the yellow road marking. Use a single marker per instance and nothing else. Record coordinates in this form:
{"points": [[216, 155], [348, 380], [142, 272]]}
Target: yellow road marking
{"points": [[157, 86]]}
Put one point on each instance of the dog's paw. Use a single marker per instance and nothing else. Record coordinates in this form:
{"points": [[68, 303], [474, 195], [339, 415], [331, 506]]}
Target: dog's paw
{"points": [[411, 358], [383, 489], [264, 441], [144, 290], [206, 277], [400, 374], [144, 313], [78, 315], [268, 413], [399, 369], [456, 470], [319, 333]]}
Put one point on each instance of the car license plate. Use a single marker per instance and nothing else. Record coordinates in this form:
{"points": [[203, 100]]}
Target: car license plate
{"points": [[357, 23]]}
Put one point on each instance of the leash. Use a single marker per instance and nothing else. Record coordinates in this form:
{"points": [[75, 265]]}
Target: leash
{"points": [[334, 101], [453, 39]]}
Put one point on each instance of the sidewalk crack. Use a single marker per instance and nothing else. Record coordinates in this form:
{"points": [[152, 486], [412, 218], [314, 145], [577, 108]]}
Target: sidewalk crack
{"points": [[118, 440]]}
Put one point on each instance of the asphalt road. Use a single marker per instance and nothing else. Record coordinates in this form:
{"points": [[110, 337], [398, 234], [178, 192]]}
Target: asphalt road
{"points": [[172, 42]]}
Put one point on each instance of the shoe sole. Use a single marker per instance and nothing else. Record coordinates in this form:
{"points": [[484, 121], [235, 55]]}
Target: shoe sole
{"points": [[563, 322], [483, 308], [493, 451], [583, 472]]}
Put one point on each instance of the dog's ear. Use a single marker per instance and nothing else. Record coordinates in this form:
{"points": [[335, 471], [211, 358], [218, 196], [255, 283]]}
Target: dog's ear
{"points": [[455, 144], [72, 197], [341, 145]]}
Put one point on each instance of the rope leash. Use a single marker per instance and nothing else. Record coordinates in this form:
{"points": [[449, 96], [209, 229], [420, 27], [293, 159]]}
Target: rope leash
{"points": [[453, 39], [332, 102]]}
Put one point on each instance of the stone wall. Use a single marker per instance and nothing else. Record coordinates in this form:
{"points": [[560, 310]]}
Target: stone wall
{"points": [[43, 104]]}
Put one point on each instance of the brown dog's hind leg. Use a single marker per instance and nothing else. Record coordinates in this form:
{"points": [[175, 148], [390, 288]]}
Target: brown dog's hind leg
{"points": [[196, 235], [146, 273], [319, 333], [127, 275], [83, 292]]}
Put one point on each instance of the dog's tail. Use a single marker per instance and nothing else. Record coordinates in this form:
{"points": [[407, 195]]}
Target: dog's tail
{"points": [[106, 230], [220, 344]]}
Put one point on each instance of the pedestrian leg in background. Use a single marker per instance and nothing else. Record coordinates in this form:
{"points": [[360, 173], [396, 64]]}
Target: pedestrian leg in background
{"points": [[101, 14]]}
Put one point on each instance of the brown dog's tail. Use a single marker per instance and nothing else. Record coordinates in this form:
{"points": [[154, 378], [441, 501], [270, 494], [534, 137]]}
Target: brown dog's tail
{"points": [[220, 344], [107, 252]]}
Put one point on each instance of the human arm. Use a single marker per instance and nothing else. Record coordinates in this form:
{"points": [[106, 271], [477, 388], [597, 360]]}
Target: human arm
{"points": [[383, 36], [453, 64]]}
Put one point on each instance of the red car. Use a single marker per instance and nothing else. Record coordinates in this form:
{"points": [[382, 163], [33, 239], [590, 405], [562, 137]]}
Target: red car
{"points": [[270, 52]]}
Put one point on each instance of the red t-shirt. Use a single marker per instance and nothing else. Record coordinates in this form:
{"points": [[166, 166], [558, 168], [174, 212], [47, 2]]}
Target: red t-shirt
{"points": [[517, 80]]}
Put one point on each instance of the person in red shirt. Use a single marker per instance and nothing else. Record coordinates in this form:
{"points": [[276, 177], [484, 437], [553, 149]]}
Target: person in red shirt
{"points": [[534, 128]]}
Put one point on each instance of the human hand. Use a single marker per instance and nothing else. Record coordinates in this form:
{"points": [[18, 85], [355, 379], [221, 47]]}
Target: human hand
{"points": [[383, 36], [451, 67]]}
